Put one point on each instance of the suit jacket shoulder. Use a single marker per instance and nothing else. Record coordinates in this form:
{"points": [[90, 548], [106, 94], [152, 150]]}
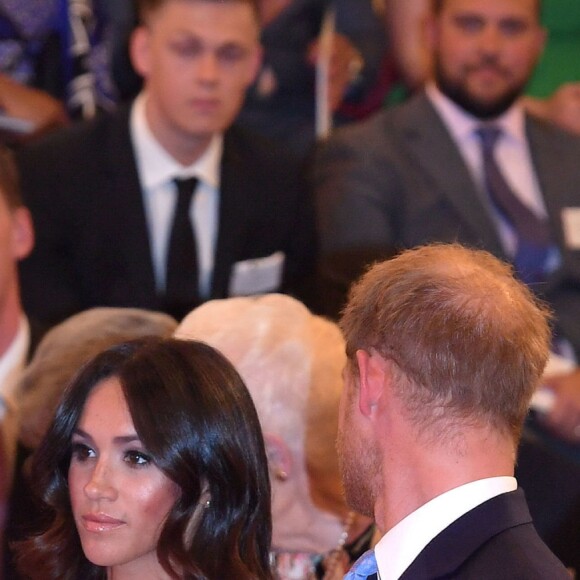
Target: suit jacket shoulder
{"points": [[92, 245], [495, 540]]}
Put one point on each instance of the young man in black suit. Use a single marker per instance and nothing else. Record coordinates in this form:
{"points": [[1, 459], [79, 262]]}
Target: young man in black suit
{"points": [[104, 196], [445, 349], [16, 241]]}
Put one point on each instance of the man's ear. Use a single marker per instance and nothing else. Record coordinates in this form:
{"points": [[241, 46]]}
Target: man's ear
{"points": [[139, 50], [255, 65], [372, 368], [430, 32], [22, 233], [279, 457], [541, 39]]}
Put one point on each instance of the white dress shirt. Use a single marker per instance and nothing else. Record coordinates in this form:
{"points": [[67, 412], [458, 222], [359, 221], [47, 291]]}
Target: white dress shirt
{"points": [[12, 363], [401, 545], [157, 169], [512, 154]]}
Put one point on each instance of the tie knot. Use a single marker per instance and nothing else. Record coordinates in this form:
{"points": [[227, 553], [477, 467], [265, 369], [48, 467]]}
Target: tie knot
{"points": [[185, 188], [488, 134]]}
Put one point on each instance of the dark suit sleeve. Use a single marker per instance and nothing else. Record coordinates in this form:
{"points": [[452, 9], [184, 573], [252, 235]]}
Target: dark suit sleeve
{"points": [[302, 249], [49, 285], [356, 190], [357, 193]]}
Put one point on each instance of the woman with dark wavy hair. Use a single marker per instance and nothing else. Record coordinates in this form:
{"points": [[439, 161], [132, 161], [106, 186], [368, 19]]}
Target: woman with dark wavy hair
{"points": [[154, 467]]}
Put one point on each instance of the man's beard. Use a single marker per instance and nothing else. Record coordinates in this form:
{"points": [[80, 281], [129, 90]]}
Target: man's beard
{"points": [[359, 467], [459, 94]]}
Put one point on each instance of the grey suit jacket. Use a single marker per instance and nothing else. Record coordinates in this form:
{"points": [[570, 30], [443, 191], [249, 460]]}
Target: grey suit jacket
{"points": [[397, 180]]}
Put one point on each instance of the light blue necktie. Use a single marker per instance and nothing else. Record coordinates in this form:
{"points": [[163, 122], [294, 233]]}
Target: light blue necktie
{"points": [[363, 567]]}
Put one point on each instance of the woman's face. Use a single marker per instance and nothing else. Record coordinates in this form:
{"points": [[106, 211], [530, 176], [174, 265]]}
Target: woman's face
{"points": [[120, 498]]}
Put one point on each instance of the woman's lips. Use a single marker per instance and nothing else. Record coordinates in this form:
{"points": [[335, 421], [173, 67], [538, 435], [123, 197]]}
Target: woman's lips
{"points": [[100, 523]]}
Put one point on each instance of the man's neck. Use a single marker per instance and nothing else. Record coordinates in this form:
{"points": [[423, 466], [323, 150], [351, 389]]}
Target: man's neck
{"points": [[416, 476], [441, 100], [185, 148]]}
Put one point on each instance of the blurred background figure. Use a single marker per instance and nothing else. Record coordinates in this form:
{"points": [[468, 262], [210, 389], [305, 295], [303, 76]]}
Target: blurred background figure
{"points": [[16, 241], [55, 63], [154, 467], [292, 362], [281, 104], [553, 91], [58, 357], [179, 204]]}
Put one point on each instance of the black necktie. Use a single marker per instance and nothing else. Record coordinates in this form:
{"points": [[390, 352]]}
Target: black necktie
{"points": [[181, 286], [532, 232]]}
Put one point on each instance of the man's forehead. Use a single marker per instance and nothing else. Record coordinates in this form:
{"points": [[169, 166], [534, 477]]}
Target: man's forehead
{"points": [[497, 9], [228, 22]]}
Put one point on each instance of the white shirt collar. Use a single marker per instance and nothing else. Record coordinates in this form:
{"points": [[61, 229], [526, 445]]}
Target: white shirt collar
{"points": [[157, 166], [13, 361], [462, 125], [399, 547]]}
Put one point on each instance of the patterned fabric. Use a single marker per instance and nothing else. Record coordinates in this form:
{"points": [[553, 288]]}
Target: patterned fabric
{"points": [[24, 24], [364, 567], [89, 86], [84, 32]]}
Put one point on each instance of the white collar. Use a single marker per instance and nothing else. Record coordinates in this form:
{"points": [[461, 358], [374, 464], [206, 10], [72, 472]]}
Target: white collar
{"points": [[462, 125], [399, 547], [13, 361], [157, 166]]}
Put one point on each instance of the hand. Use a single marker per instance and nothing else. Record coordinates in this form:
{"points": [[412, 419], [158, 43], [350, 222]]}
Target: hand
{"points": [[562, 107], [23, 102], [346, 63], [564, 417]]}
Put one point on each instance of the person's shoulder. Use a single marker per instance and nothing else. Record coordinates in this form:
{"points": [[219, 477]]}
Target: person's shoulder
{"points": [[383, 127], [253, 145], [546, 132], [75, 139], [516, 553]]}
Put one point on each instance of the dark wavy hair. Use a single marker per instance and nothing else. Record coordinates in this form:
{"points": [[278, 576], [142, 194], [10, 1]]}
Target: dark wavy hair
{"points": [[194, 415]]}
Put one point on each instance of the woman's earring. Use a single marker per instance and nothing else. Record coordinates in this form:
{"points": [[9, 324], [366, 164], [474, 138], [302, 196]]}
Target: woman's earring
{"points": [[207, 504], [280, 474]]}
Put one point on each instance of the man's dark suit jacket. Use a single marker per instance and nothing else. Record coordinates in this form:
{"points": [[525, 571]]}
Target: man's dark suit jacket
{"points": [[92, 242], [398, 181], [494, 541]]}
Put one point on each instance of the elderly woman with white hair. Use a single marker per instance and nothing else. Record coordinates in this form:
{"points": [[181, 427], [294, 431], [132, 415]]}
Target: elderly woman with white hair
{"points": [[291, 361]]}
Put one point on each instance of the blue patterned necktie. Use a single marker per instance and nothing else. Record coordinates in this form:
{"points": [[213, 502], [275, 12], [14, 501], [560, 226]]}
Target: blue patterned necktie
{"points": [[363, 567], [532, 232]]}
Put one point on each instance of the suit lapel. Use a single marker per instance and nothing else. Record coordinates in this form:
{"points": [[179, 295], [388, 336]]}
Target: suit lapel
{"points": [[452, 547], [548, 155], [234, 185], [127, 206], [434, 153]]}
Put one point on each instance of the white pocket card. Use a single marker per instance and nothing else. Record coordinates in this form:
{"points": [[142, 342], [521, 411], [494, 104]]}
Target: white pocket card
{"points": [[571, 227], [257, 276]]}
